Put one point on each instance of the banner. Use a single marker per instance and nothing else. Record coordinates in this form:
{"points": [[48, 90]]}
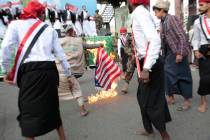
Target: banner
{"points": [[91, 5], [91, 54]]}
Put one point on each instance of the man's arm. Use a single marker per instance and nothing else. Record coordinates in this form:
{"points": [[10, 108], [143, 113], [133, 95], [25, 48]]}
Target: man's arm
{"points": [[8, 46], [153, 40], [196, 40], [176, 26]]}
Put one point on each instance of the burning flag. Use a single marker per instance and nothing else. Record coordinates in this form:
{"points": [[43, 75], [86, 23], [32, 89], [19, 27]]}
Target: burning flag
{"points": [[107, 71]]}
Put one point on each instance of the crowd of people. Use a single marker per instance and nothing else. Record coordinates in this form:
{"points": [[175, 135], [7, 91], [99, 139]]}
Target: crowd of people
{"points": [[8, 14], [81, 21], [160, 59]]}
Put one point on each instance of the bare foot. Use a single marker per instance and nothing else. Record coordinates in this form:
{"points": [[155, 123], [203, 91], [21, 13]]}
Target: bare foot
{"points": [[202, 108], [170, 100], [144, 133], [185, 107]]}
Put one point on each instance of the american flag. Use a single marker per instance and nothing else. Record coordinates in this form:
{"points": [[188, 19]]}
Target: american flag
{"points": [[107, 71]]}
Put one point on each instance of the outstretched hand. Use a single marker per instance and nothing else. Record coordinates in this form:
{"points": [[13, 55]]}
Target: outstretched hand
{"points": [[6, 80]]}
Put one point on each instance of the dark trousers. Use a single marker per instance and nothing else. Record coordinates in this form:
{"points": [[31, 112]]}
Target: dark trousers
{"points": [[204, 72], [124, 60], [151, 99]]}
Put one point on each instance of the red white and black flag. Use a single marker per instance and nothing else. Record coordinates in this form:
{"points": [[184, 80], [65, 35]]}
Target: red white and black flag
{"points": [[205, 26]]}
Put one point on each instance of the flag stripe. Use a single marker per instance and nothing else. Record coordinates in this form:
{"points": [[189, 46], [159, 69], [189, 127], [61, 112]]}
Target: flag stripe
{"points": [[110, 71], [103, 63], [102, 71], [102, 60], [111, 79], [100, 55], [106, 69]]}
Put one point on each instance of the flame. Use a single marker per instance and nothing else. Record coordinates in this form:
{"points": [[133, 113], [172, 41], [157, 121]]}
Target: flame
{"points": [[101, 95], [112, 56]]}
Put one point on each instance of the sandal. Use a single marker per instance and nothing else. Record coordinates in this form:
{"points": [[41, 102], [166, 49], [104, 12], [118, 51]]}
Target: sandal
{"points": [[202, 109], [84, 113], [183, 108]]}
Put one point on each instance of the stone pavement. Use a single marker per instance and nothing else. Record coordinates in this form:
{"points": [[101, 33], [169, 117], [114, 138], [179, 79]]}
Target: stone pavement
{"points": [[110, 119]]}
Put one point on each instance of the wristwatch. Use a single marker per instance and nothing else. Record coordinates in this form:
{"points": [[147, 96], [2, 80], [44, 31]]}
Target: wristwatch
{"points": [[147, 70]]}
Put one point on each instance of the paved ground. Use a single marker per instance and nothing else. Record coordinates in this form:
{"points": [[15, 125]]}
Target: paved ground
{"points": [[112, 119]]}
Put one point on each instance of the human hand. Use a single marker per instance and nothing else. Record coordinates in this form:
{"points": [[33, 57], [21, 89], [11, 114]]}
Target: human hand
{"points": [[144, 77], [198, 55], [179, 58], [7, 80]]}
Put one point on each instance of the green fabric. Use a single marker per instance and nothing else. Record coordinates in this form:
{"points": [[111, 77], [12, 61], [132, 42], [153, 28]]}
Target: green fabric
{"points": [[108, 46], [25, 2]]}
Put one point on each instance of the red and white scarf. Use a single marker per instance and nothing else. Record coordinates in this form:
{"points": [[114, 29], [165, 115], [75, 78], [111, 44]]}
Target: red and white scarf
{"points": [[205, 26], [123, 40]]}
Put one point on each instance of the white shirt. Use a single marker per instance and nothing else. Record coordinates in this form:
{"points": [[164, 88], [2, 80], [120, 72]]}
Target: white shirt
{"points": [[119, 46], [144, 31], [198, 37], [2, 29], [57, 24], [191, 34], [45, 48], [85, 14]]}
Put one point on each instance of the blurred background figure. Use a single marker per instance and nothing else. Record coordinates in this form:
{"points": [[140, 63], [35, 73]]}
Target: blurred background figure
{"points": [[98, 21], [121, 50]]}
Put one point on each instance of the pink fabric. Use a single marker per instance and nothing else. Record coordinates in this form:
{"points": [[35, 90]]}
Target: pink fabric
{"points": [[137, 2]]}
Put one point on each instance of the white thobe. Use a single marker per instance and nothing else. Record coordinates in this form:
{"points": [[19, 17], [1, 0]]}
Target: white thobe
{"points": [[45, 48], [144, 32], [198, 35]]}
